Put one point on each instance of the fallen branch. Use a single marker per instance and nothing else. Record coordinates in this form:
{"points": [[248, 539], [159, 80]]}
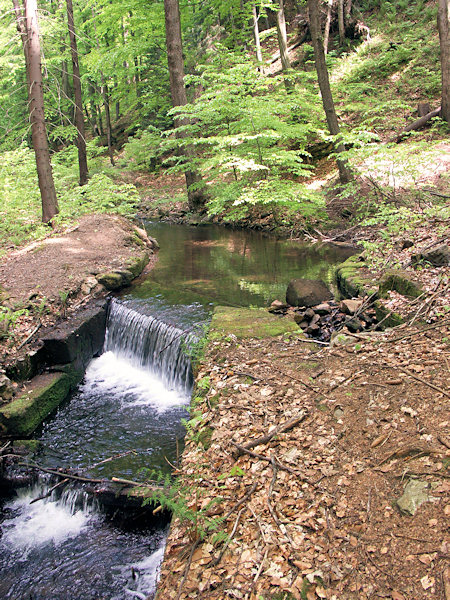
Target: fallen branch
{"points": [[280, 465], [266, 438], [424, 381], [419, 331], [416, 125], [62, 474], [187, 569], [26, 340]]}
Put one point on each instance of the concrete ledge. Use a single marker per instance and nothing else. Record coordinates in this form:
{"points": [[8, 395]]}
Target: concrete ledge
{"points": [[249, 323], [41, 396]]}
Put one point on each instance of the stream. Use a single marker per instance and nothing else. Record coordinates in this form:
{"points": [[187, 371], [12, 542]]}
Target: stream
{"points": [[130, 405]]}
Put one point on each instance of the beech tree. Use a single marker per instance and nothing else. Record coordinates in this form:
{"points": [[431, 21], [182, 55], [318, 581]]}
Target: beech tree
{"points": [[196, 196], [444, 39], [324, 85], [79, 120], [28, 27]]}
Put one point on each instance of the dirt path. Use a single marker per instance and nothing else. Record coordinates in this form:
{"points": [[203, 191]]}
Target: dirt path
{"points": [[45, 279], [315, 511]]}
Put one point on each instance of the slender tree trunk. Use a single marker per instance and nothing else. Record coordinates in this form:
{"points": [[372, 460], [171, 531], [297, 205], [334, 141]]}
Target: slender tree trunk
{"points": [[444, 39], [256, 34], [79, 120], [282, 37], [324, 85], [326, 35], [196, 195], [105, 94], [341, 22], [28, 27]]}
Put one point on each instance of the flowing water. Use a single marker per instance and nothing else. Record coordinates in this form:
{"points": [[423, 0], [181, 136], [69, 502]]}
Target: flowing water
{"points": [[130, 406]]}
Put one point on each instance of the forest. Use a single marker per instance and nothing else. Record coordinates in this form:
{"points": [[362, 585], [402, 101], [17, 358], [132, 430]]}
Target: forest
{"points": [[225, 94], [224, 299]]}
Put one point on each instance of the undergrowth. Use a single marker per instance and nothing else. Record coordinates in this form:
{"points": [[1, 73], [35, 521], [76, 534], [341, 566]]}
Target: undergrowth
{"points": [[20, 212]]}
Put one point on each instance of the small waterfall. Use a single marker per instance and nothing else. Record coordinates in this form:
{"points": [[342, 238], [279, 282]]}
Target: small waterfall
{"points": [[49, 520], [149, 343]]}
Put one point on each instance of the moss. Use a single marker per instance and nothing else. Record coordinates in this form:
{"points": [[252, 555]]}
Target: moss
{"points": [[30, 447], [111, 281], [204, 437], [401, 282], [248, 323], [392, 320], [137, 264], [45, 392], [350, 279]]}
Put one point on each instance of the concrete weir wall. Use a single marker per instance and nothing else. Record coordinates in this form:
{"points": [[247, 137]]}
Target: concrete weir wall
{"points": [[52, 369]]}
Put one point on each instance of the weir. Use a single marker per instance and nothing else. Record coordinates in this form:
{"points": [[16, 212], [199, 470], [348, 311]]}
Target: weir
{"points": [[129, 405]]}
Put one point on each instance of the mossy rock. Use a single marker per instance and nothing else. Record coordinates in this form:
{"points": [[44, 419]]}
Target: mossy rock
{"points": [[351, 280], [137, 265], [42, 395], [382, 313], [401, 282], [248, 323]]}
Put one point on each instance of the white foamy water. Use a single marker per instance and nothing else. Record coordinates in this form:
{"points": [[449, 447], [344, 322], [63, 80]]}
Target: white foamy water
{"points": [[113, 375], [44, 522]]}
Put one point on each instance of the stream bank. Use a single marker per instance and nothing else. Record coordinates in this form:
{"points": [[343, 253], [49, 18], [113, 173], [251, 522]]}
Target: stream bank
{"points": [[352, 489]]}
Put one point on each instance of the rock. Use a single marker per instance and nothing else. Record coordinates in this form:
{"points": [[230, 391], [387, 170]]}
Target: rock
{"points": [[88, 285], [307, 292], [277, 307], [315, 320], [406, 244], [322, 309], [438, 257], [309, 313], [401, 282], [111, 281], [354, 325], [416, 492], [300, 318], [340, 339], [6, 389], [349, 307], [313, 330], [303, 325]]}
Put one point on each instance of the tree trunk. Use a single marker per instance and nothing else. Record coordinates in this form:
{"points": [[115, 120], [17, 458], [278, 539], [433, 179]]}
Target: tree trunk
{"points": [[104, 92], [282, 37], [324, 85], [196, 195], [326, 35], [256, 34], [28, 27], [444, 39], [341, 22], [79, 121]]}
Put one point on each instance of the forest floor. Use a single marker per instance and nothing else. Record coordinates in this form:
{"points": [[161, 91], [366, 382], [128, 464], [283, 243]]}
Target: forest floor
{"points": [[314, 512]]}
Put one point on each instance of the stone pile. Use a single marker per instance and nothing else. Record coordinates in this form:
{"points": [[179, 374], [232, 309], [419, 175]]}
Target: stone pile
{"points": [[322, 320]]}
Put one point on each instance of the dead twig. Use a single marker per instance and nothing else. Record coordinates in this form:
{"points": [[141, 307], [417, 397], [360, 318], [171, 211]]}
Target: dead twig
{"points": [[266, 438], [50, 491], [188, 567], [217, 560], [280, 525], [27, 339], [419, 331], [424, 381]]}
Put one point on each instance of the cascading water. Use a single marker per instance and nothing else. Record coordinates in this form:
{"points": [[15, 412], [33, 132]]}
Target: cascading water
{"points": [[129, 406], [147, 342]]}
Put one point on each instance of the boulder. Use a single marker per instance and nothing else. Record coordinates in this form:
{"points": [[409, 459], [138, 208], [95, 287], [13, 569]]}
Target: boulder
{"points": [[307, 292], [438, 257], [6, 388]]}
